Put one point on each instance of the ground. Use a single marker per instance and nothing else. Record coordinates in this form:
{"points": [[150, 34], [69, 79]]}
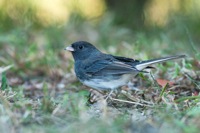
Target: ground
{"points": [[40, 93]]}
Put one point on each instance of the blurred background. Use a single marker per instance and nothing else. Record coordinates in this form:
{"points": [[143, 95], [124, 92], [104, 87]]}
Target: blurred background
{"points": [[33, 33], [38, 88]]}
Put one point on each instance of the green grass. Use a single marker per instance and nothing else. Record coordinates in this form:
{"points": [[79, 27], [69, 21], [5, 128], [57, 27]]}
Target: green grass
{"points": [[41, 94]]}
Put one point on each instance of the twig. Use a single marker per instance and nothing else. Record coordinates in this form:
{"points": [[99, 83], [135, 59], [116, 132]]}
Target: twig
{"points": [[136, 99], [175, 86], [124, 101]]}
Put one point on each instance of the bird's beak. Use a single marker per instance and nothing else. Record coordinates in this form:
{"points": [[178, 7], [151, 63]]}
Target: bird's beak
{"points": [[70, 48]]}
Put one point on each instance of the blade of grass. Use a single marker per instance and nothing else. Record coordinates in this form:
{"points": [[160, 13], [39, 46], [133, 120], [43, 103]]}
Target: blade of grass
{"points": [[190, 40], [163, 90], [187, 98], [7, 107], [193, 80], [5, 68], [4, 84]]}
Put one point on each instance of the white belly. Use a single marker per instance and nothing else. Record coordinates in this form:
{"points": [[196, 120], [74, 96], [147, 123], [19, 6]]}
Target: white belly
{"points": [[107, 85]]}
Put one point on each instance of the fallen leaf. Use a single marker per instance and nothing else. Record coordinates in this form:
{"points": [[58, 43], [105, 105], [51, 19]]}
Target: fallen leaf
{"points": [[163, 82]]}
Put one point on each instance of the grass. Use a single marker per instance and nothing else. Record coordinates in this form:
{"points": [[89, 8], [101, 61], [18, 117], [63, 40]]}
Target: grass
{"points": [[41, 94]]}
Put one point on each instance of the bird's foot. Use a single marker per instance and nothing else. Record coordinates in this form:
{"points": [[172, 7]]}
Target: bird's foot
{"points": [[95, 96], [109, 95]]}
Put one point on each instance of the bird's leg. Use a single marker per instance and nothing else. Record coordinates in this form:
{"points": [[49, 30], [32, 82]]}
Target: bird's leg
{"points": [[109, 95]]}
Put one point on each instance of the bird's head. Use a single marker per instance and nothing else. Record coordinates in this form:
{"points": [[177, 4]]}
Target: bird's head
{"points": [[82, 50]]}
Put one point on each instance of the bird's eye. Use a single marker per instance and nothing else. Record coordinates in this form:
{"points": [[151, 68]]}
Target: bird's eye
{"points": [[80, 47]]}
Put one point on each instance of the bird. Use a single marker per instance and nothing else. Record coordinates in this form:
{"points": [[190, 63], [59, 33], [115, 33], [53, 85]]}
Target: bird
{"points": [[106, 72]]}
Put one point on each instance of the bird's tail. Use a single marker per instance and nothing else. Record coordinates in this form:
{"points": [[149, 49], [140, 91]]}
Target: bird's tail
{"points": [[143, 64]]}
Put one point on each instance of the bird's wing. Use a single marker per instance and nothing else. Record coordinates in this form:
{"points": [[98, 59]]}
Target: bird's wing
{"points": [[114, 65], [130, 61], [126, 60], [109, 66]]}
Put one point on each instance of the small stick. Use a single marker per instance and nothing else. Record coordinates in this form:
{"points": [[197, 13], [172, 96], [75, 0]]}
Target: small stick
{"points": [[124, 101]]}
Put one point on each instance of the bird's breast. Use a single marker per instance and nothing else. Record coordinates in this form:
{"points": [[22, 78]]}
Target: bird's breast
{"points": [[80, 73], [105, 83]]}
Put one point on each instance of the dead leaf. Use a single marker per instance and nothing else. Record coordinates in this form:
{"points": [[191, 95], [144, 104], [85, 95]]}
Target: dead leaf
{"points": [[163, 82]]}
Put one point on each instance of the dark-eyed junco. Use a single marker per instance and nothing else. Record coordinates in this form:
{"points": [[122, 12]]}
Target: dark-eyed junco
{"points": [[104, 71]]}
